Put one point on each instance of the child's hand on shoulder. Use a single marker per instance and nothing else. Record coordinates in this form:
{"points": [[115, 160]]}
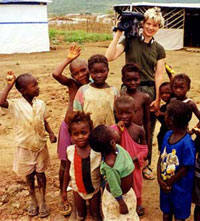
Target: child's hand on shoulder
{"points": [[10, 78], [74, 52], [53, 138]]}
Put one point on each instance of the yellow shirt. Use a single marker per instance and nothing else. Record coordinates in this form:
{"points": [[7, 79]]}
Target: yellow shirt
{"points": [[29, 123]]}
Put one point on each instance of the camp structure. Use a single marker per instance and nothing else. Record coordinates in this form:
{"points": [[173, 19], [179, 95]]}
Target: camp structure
{"points": [[23, 26], [182, 19]]}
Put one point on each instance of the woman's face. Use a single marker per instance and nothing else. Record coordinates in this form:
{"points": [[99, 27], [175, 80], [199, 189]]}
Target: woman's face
{"points": [[150, 27]]}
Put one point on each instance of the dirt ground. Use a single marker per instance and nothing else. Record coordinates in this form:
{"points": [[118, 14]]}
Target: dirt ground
{"points": [[13, 192]]}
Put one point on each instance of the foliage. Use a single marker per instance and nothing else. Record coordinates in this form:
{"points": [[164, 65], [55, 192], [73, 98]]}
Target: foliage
{"points": [[77, 36], [84, 6]]}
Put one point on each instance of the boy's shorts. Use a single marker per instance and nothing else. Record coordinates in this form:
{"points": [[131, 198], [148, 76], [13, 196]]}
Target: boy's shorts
{"points": [[27, 161], [64, 140]]}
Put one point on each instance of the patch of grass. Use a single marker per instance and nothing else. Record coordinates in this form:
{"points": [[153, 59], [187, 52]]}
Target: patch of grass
{"points": [[78, 36]]}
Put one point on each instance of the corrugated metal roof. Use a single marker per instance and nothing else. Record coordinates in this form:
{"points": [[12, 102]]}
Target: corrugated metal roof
{"points": [[168, 4], [169, 1], [162, 3]]}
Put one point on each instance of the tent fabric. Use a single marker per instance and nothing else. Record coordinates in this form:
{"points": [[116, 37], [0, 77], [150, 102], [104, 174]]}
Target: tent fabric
{"points": [[170, 39], [21, 1], [24, 28]]}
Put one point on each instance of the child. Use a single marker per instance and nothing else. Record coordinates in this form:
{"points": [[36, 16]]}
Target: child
{"points": [[97, 97], [80, 76], [176, 164], [132, 140], [180, 86], [196, 187], [31, 157], [82, 167], [118, 200], [131, 80], [165, 95]]}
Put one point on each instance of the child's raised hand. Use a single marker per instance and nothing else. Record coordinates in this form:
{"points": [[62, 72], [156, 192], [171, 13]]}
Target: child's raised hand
{"points": [[74, 52], [121, 126], [10, 78]]}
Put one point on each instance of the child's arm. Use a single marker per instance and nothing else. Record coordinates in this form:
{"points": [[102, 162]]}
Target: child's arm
{"points": [[66, 181], [52, 136], [4, 94], [195, 111], [114, 182], [147, 124], [170, 72], [163, 185], [180, 173], [74, 52]]}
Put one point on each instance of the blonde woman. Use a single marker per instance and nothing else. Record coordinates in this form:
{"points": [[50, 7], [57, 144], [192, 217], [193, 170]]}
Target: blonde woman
{"points": [[149, 55]]}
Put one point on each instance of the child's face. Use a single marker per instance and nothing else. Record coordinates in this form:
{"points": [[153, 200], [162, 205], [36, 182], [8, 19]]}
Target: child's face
{"points": [[99, 73], [179, 89], [80, 132], [31, 89], [80, 73], [124, 113], [165, 93], [131, 80], [114, 134]]}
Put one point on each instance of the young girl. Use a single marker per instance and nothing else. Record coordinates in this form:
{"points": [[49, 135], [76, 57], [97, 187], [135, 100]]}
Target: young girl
{"points": [[97, 97], [165, 95], [176, 164], [118, 200], [133, 140], [82, 167]]}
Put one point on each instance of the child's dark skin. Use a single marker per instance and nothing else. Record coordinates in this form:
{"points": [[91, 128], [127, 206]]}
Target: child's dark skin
{"points": [[142, 102], [80, 132], [126, 182], [80, 76], [99, 74], [180, 89], [30, 91], [166, 186], [79, 73]]}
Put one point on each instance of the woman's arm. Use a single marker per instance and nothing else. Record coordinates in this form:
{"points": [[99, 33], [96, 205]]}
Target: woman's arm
{"points": [[114, 50], [160, 68]]}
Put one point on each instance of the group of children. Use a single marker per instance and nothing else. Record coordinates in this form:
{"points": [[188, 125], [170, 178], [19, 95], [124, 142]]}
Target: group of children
{"points": [[103, 142]]}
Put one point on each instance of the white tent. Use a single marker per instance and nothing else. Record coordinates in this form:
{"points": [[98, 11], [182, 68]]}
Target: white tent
{"points": [[181, 22], [23, 26]]}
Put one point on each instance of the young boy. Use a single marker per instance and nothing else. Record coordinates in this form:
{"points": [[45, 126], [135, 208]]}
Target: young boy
{"points": [[180, 85], [175, 169], [133, 140], [80, 76], [118, 200], [165, 95], [31, 157], [131, 80]]}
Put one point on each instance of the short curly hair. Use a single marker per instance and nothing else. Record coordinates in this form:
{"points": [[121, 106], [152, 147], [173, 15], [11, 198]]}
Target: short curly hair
{"points": [[182, 77], [130, 67], [99, 139], [154, 14], [97, 58], [179, 112], [77, 117], [21, 81]]}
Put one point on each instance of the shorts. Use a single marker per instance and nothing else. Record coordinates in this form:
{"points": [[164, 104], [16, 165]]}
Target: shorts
{"points": [[177, 203], [110, 207], [27, 161], [64, 140]]}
